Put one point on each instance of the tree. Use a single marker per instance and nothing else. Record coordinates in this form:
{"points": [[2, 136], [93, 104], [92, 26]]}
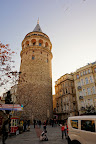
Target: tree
{"points": [[90, 110], [6, 67]]}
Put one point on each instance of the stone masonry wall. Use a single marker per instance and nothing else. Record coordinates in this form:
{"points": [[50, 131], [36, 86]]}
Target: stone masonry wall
{"points": [[35, 83]]}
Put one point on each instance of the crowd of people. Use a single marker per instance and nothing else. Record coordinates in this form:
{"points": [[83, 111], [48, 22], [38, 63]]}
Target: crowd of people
{"points": [[54, 123], [26, 127]]}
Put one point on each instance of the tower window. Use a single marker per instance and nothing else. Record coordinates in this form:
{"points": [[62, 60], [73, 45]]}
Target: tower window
{"points": [[33, 57], [41, 52], [47, 60], [46, 44], [40, 44], [34, 43]]}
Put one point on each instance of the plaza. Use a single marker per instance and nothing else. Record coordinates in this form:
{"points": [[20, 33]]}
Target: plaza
{"points": [[32, 137]]}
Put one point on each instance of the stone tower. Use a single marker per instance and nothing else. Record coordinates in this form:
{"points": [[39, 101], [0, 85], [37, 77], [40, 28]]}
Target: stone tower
{"points": [[35, 81]]}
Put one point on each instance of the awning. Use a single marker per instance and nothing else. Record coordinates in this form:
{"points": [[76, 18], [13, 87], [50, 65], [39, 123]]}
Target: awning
{"points": [[12, 107]]}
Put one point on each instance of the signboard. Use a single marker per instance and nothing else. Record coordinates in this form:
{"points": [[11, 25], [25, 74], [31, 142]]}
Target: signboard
{"points": [[13, 107]]}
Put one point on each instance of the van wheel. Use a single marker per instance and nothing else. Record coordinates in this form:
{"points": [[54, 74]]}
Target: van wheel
{"points": [[76, 142]]}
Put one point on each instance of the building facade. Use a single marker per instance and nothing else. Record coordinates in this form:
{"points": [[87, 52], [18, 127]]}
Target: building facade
{"points": [[66, 104], [13, 92], [85, 84], [54, 103], [35, 81]]}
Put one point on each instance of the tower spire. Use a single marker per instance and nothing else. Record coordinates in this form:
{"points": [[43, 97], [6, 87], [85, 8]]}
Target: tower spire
{"points": [[38, 21], [37, 28]]}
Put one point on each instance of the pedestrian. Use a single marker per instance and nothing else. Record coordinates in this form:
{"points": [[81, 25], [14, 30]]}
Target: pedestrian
{"points": [[28, 123], [52, 122], [44, 126], [5, 130], [39, 123], [62, 130], [34, 123], [25, 123], [65, 130]]}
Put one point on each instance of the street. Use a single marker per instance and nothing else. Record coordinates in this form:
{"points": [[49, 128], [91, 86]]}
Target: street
{"points": [[32, 137]]}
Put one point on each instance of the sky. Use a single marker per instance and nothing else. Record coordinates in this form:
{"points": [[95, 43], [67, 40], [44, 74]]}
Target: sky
{"points": [[70, 25]]}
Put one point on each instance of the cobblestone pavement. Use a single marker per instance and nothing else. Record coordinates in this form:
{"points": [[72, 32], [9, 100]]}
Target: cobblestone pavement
{"points": [[32, 137]]}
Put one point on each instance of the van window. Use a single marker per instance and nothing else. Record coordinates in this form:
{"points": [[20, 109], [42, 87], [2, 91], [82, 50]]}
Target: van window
{"points": [[74, 124], [88, 125]]}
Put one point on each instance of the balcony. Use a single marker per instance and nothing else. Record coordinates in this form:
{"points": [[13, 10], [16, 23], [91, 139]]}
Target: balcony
{"points": [[79, 87], [80, 97]]}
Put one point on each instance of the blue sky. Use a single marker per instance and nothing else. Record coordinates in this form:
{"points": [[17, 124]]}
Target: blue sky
{"points": [[70, 25]]}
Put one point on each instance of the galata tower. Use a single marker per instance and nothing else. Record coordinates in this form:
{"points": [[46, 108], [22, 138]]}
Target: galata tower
{"points": [[35, 81]]}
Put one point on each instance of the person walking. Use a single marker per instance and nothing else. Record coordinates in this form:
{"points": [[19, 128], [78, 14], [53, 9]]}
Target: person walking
{"points": [[28, 123], [65, 130], [39, 123], [34, 123], [62, 130], [5, 130], [25, 123], [44, 126]]}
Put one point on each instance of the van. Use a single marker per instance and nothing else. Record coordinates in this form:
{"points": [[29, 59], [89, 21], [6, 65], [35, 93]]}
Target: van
{"points": [[82, 129]]}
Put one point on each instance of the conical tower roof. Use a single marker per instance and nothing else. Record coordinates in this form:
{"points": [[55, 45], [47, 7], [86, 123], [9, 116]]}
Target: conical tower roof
{"points": [[37, 28]]}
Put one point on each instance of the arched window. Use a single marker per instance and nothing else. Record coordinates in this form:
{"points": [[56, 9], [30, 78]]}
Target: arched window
{"points": [[27, 43], [33, 41], [46, 44], [40, 42]]}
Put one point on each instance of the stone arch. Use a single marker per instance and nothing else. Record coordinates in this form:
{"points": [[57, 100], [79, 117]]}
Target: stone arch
{"points": [[40, 42], [33, 41], [46, 44], [27, 43]]}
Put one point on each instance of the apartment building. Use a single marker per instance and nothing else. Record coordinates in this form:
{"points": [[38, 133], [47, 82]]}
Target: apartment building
{"points": [[65, 97], [85, 85]]}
